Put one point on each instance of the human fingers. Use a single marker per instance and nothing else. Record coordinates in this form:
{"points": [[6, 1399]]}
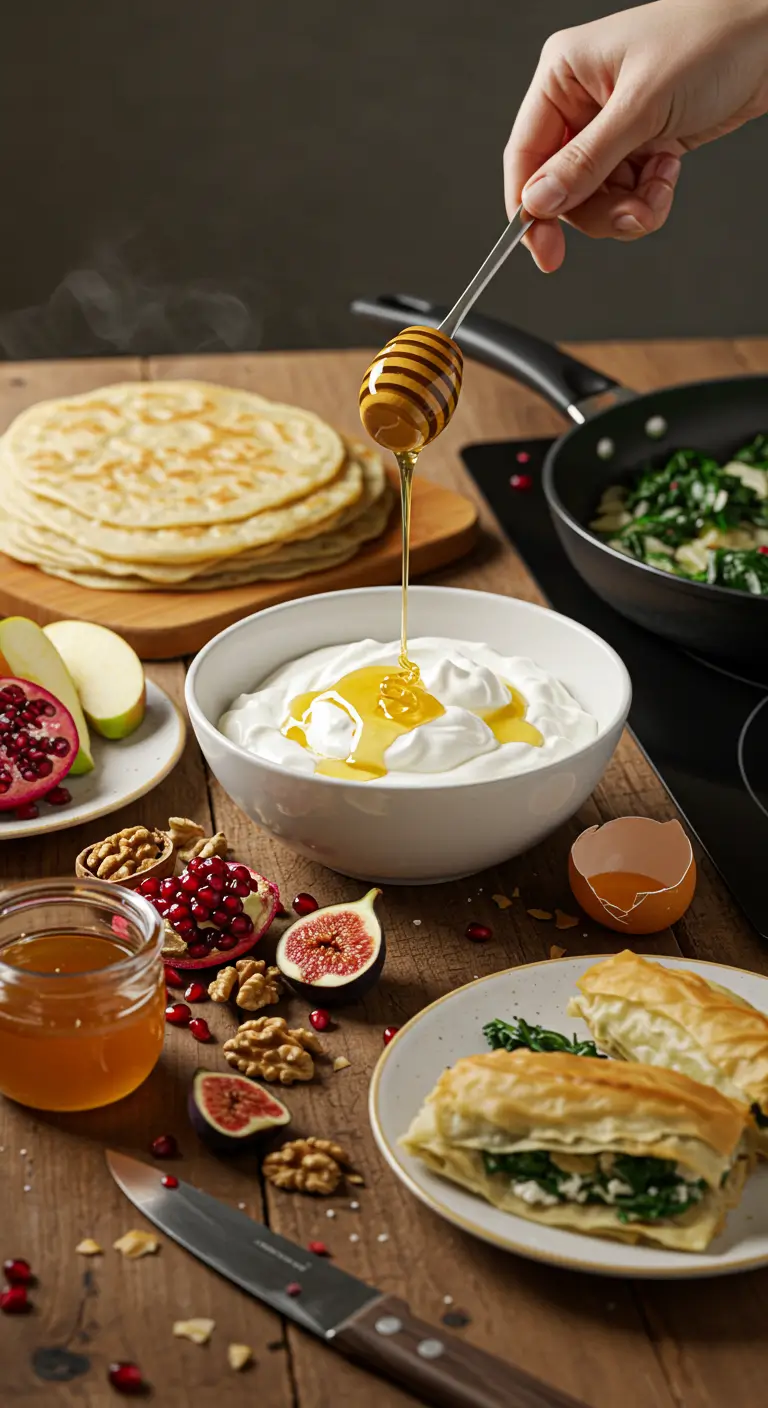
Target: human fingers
{"points": [[619, 211], [546, 242], [577, 171]]}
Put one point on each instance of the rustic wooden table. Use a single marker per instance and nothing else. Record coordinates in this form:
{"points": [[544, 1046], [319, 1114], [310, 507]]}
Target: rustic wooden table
{"points": [[695, 1344]]}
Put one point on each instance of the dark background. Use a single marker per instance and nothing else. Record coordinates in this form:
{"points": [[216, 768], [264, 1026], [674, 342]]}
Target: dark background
{"points": [[230, 173]]}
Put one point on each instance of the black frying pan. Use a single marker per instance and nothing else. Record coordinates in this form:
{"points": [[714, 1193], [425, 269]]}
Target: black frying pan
{"points": [[716, 416]]}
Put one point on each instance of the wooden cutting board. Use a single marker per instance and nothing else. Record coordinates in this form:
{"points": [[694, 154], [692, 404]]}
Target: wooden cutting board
{"points": [[164, 625]]}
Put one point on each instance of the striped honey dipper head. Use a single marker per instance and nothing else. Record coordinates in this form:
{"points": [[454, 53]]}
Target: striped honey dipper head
{"points": [[410, 390]]}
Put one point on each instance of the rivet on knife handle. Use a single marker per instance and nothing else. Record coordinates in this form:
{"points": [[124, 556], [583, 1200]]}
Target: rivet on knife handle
{"points": [[440, 1368]]}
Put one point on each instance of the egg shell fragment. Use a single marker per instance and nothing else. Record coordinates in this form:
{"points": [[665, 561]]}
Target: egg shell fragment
{"points": [[635, 845]]}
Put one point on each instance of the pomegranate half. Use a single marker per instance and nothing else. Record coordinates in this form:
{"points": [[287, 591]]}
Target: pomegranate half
{"points": [[336, 954], [214, 911], [38, 742], [229, 1111]]}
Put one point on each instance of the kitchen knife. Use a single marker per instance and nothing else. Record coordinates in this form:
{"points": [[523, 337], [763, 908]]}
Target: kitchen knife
{"points": [[360, 1322]]}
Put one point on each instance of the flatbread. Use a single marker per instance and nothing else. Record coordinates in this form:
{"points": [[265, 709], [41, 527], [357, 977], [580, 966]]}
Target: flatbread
{"points": [[169, 454]]}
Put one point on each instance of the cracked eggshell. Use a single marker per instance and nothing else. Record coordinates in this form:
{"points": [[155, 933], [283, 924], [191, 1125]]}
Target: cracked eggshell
{"points": [[635, 845]]}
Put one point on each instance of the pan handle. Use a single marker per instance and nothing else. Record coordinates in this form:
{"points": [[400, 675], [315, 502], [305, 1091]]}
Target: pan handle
{"points": [[567, 384]]}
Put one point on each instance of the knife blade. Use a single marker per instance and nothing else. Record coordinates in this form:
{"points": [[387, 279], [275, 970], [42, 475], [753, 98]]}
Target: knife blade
{"points": [[359, 1321]]}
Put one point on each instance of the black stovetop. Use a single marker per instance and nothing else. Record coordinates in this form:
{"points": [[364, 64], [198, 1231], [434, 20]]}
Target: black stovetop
{"points": [[702, 726]]}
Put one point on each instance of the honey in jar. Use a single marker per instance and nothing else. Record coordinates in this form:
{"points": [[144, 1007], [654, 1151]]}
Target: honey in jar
{"points": [[82, 994]]}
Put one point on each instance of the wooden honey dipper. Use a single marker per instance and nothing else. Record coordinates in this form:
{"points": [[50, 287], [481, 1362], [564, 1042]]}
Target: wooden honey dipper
{"points": [[411, 389]]}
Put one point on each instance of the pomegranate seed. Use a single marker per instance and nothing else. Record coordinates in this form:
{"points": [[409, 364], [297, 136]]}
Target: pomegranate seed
{"points": [[196, 992], [522, 457], [197, 950], [207, 898], [17, 1272], [241, 925], [14, 1300], [305, 904], [199, 911], [242, 873], [186, 928], [178, 1014], [478, 933], [293, 1289], [190, 884], [162, 907], [178, 912], [58, 796], [521, 481], [199, 1029], [763, 549], [227, 941], [164, 1147], [389, 1032], [220, 918], [318, 1249], [169, 1181], [320, 1019], [168, 889], [150, 887], [126, 1378], [28, 812], [242, 888], [195, 866], [232, 904], [674, 484]]}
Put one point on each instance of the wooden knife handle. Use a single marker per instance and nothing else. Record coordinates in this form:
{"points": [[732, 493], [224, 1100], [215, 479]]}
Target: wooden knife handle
{"points": [[439, 1367]]}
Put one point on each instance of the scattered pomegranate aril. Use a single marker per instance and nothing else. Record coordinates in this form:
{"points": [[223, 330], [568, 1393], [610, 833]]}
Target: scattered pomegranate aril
{"points": [[304, 904], [58, 797], [178, 1014], [164, 1147], [763, 549], [168, 1181], [17, 1272], [318, 1249], [29, 812], [522, 457], [196, 992], [478, 933], [521, 481], [126, 1378], [388, 1034], [13, 1301], [200, 1029], [293, 1289], [320, 1019], [174, 979]]}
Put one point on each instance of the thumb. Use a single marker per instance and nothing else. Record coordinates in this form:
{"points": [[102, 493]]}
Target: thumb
{"points": [[580, 168]]}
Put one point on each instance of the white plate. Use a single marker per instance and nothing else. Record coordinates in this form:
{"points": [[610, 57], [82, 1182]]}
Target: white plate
{"points": [[453, 1027], [125, 769]]}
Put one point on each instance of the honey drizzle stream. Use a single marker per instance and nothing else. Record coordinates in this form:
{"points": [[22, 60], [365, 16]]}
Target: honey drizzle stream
{"points": [[406, 463]]}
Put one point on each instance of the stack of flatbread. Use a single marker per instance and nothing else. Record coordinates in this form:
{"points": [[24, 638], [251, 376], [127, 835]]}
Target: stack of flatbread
{"points": [[183, 486]]}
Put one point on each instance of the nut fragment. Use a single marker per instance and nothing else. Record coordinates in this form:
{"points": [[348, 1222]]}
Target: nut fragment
{"points": [[88, 1247], [239, 1355], [135, 1244], [260, 986], [539, 913], [220, 990], [267, 1048], [127, 854], [555, 951], [340, 1063], [190, 841], [199, 1331], [306, 1166]]}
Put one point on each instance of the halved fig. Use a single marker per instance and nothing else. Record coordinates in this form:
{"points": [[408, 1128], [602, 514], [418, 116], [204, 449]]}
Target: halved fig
{"points": [[336, 954], [229, 1111]]}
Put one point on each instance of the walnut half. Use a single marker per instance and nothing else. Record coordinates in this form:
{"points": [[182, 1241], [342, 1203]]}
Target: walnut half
{"points": [[306, 1166], [127, 856], [266, 1047], [257, 985], [189, 840]]}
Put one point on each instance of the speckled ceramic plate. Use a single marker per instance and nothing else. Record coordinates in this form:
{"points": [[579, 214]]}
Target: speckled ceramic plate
{"points": [[453, 1027], [125, 769]]}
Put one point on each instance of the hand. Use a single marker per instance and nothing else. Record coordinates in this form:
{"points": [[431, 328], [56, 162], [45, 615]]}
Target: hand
{"points": [[615, 104]]}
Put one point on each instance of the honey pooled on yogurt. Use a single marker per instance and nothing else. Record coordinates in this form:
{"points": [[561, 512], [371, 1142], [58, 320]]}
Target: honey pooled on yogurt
{"points": [[382, 706]]}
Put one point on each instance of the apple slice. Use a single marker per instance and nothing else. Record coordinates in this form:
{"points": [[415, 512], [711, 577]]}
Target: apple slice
{"points": [[25, 651], [108, 675]]}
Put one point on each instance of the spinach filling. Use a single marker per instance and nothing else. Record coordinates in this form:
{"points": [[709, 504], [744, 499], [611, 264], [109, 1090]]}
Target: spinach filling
{"points": [[657, 1190], [510, 1036], [760, 1117], [691, 495]]}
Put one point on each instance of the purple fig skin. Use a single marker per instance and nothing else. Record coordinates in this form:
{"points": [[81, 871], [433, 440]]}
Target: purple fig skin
{"points": [[345, 991], [213, 1134]]}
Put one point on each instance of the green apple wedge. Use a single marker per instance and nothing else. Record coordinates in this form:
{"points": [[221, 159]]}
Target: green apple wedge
{"points": [[25, 651], [108, 675]]}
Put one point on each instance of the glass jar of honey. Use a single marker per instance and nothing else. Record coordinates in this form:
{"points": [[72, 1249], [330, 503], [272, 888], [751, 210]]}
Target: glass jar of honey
{"points": [[82, 993]]}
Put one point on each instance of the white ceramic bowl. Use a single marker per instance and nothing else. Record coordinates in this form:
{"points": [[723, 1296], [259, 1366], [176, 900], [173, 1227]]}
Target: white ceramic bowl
{"points": [[384, 832]]}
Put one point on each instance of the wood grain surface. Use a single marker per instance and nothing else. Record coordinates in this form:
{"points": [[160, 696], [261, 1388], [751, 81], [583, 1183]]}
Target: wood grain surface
{"points": [[613, 1344]]}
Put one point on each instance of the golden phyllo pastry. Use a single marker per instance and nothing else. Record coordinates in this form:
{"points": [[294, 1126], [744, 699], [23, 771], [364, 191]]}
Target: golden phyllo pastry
{"points": [[638, 1010], [600, 1147]]}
